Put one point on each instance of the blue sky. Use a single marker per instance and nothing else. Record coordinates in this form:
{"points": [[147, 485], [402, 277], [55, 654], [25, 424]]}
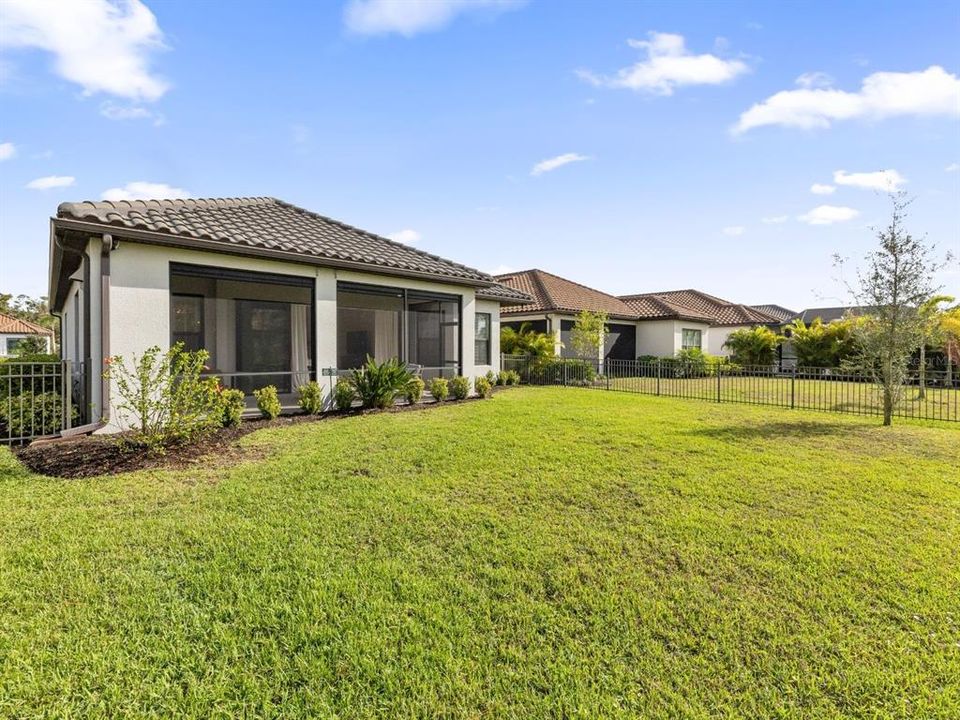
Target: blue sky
{"points": [[629, 146]]}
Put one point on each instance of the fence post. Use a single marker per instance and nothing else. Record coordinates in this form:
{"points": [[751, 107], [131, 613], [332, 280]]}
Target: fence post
{"points": [[658, 376], [793, 382], [66, 386], [563, 364], [718, 380]]}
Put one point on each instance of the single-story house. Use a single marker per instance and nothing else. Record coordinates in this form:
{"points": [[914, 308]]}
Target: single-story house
{"points": [[14, 331], [275, 293], [828, 315], [555, 306], [674, 320], [659, 324]]}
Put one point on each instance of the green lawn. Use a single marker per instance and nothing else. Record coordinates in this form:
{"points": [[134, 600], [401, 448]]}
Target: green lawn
{"points": [[548, 553]]}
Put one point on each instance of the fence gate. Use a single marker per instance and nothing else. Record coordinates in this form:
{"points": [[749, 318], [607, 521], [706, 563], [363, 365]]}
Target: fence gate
{"points": [[40, 398]]}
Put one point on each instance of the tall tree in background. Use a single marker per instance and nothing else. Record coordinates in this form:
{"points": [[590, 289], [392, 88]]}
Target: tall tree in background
{"points": [[930, 318], [896, 280], [589, 334]]}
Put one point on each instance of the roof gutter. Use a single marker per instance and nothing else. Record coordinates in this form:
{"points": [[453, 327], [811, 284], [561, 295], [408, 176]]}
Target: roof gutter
{"points": [[106, 245], [155, 238]]}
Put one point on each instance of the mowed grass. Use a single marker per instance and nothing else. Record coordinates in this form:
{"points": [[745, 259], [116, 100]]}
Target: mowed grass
{"points": [[547, 553]]}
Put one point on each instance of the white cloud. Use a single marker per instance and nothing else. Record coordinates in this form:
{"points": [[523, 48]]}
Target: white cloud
{"points": [[886, 180], [775, 219], [952, 167], [141, 190], [545, 166], [7, 150], [51, 181], [409, 17], [102, 46], [933, 91], [821, 189], [814, 80], [668, 65], [112, 111], [733, 230], [828, 215], [407, 237]]}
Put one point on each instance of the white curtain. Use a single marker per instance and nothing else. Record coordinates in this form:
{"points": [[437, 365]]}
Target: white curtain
{"points": [[299, 337], [387, 330]]}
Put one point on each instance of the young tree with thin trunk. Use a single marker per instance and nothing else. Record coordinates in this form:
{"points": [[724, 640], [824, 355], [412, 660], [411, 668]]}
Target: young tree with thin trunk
{"points": [[896, 280], [589, 334]]}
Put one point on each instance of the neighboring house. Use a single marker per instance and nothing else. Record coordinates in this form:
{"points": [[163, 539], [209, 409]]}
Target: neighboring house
{"points": [[659, 324], [784, 315], [829, 314], [556, 303], [682, 319], [13, 331], [275, 293]]}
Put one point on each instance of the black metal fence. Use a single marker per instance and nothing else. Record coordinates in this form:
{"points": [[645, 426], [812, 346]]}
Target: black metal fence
{"points": [[40, 398], [928, 395]]}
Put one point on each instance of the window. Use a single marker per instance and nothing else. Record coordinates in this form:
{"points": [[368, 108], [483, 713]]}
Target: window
{"points": [[691, 339], [13, 345], [481, 346]]}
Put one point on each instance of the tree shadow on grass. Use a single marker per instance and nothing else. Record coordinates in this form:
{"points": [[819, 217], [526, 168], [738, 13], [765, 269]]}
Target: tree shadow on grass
{"points": [[801, 430]]}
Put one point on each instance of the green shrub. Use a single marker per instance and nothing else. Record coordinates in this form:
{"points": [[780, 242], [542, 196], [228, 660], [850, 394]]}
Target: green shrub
{"points": [[439, 388], [414, 390], [40, 378], [502, 377], [491, 377], [753, 346], [460, 387], [163, 397], [29, 414], [379, 384], [232, 402], [483, 386], [344, 394], [310, 398], [513, 377], [268, 401]]}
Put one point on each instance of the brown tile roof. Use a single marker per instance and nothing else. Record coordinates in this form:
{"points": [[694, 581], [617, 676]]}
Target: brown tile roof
{"points": [[269, 224], [552, 293], [16, 326], [505, 294], [696, 305]]}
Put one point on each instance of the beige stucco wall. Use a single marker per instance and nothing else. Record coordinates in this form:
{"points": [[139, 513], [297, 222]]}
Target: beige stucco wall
{"points": [[664, 338], [718, 336], [140, 300]]}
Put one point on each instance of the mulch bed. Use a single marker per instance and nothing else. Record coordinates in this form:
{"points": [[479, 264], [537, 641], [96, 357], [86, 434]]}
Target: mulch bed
{"points": [[91, 455]]}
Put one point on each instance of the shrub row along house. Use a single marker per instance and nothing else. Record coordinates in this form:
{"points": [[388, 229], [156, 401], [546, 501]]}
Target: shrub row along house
{"points": [[657, 324], [276, 294]]}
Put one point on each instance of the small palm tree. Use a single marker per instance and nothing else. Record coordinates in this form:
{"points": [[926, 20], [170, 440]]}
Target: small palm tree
{"points": [[526, 341]]}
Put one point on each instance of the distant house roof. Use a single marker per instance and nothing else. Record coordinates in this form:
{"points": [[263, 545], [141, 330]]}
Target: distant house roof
{"points": [[778, 311], [830, 314], [272, 227], [15, 326], [696, 305], [502, 293], [552, 293]]}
